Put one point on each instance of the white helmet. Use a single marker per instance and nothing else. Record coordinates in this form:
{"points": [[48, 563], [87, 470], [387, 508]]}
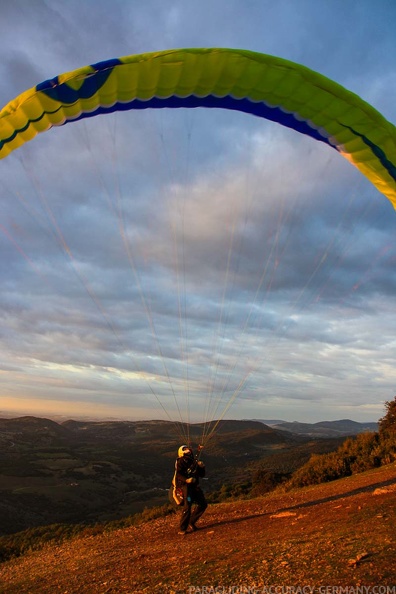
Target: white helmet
{"points": [[184, 450]]}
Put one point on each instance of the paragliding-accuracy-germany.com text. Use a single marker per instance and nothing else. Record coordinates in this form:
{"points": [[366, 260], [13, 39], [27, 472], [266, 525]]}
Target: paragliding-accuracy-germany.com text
{"points": [[287, 589]]}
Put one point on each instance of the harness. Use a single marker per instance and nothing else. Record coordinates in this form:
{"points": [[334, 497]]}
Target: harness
{"points": [[176, 494]]}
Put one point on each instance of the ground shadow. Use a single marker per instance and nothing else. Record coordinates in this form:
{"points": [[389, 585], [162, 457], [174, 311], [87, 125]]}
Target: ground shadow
{"points": [[305, 504]]}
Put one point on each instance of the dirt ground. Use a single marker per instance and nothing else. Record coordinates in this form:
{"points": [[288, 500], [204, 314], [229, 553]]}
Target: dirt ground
{"points": [[327, 539]]}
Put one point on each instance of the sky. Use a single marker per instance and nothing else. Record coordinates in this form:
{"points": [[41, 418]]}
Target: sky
{"points": [[193, 265]]}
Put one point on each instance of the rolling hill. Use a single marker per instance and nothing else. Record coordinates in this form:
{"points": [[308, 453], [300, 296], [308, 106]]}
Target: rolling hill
{"points": [[81, 471], [86, 471]]}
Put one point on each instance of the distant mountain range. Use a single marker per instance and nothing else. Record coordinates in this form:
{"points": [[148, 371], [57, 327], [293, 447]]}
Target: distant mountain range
{"points": [[339, 428]]}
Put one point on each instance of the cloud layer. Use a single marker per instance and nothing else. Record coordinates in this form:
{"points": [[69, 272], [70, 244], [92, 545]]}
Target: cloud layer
{"points": [[175, 264]]}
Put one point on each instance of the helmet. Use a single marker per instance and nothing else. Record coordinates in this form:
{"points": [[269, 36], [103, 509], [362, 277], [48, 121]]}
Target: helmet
{"points": [[184, 450]]}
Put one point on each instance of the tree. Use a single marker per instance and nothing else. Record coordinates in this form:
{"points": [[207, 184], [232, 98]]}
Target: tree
{"points": [[387, 425]]}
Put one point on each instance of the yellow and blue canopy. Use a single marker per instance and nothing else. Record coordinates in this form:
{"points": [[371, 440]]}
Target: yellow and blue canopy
{"points": [[259, 84]]}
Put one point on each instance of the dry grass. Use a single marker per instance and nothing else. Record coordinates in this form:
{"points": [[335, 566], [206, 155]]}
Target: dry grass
{"points": [[338, 534]]}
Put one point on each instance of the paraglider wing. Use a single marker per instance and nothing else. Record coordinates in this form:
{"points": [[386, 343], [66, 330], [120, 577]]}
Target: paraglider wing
{"points": [[259, 84]]}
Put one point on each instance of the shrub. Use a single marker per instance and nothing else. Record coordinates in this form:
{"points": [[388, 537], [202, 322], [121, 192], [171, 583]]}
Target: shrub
{"points": [[266, 480], [355, 455]]}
